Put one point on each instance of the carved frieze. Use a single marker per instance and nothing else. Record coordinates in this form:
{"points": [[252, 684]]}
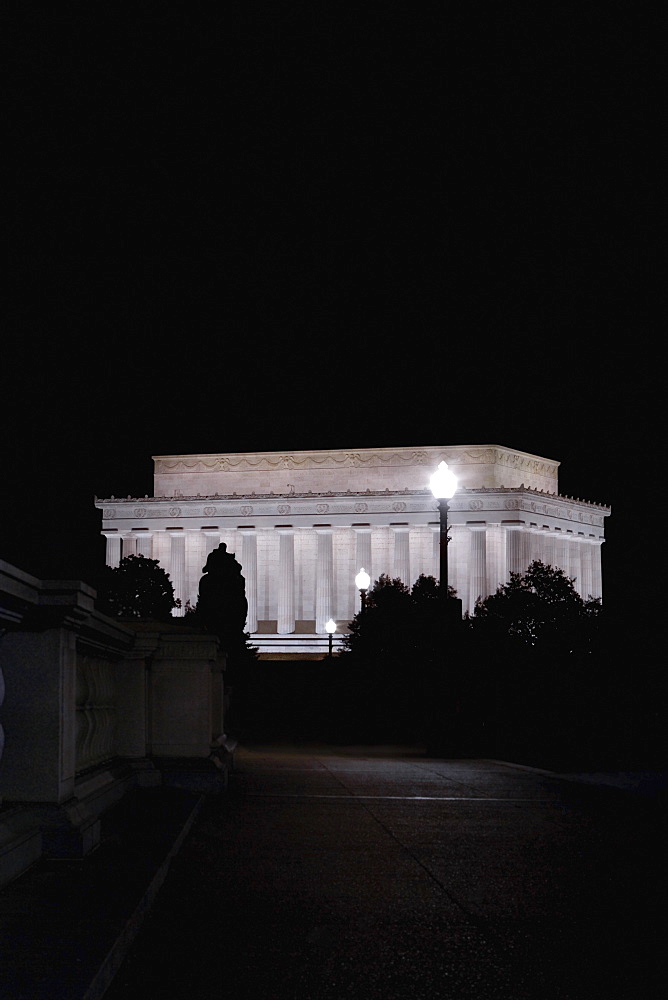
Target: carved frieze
{"points": [[358, 459]]}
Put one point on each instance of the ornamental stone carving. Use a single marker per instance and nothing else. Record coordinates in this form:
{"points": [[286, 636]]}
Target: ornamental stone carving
{"points": [[361, 508], [139, 511], [476, 505], [209, 511], [174, 511], [398, 506], [511, 504], [108, 513], [246, 510], [284, 508], [322, 508]]}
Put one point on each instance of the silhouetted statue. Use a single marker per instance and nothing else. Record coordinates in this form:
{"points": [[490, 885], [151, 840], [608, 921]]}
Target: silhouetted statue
{"points": [[222, 603]]}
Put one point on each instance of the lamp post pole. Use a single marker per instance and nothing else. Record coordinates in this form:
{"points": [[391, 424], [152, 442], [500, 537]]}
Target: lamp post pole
{"points": [[331, 629], [443, 485], [443, 507]]}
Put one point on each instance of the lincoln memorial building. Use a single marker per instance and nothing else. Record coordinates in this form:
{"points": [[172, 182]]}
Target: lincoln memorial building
{"points": [[303, 523]]}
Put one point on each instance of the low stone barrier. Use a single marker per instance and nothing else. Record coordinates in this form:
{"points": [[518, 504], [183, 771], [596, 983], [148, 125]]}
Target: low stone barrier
{"points": [[92, 707]]}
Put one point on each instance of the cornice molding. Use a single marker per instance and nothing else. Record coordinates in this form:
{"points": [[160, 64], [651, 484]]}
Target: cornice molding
{"points": [[350, 503]]}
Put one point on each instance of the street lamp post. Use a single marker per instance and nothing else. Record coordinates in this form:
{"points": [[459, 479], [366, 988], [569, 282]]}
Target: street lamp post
{"points": [[331, 629], [443, 485], [362, 581]]}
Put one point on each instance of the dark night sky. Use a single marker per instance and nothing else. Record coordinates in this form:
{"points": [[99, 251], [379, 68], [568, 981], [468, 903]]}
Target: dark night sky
{"points": [[285, 226]]}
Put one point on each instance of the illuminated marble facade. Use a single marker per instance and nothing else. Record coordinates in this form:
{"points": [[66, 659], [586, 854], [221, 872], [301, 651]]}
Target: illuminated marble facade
{"points": [[302, 524]]}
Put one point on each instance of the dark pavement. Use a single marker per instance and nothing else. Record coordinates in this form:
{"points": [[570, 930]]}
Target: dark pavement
{"points": [[367, 873]]}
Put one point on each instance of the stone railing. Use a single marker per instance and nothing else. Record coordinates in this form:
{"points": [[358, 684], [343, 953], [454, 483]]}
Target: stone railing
{"points": [[95, 711], [94, 706]]}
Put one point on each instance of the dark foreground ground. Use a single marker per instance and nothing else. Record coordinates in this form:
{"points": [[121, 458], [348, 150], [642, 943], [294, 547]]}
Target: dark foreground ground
{"points": [[331, 872]]}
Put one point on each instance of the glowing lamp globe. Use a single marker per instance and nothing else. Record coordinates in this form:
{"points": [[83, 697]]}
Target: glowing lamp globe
{"points": [[443, 483], [330, 627], [362, 580]]}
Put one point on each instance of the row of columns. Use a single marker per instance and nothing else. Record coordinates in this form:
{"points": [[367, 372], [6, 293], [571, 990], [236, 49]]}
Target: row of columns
{"points": [[474, 571]]}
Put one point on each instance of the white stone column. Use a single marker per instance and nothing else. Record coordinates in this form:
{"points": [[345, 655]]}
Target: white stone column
{"points": [[363, 550], [561, 552], [402, 553], [596, 573], [435, 550], [574, 551], [459, 561], [547, 547], [211, 541], [586, 569], [144, 543], [129, 544], [477, 564], [249, 570], [177, 568], [517, 548], [362, 557], [324, 579], [497, 562], [113, 548], [286, 581]]}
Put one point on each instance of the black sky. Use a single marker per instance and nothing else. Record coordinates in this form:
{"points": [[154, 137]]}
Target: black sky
{"points": [[286, 226]]}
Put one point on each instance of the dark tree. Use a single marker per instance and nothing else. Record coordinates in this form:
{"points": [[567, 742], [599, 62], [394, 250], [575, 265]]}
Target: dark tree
{"points": [[539, 609], [389, 658], [535, 685], [137, 588]]}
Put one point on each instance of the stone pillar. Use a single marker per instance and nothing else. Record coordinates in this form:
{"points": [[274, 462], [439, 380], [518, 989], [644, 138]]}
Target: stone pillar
{"points": [[286, 581], [129, 544], [177, 568], [435, 550], [575, 549], [402, 555], [596, 574], [249, 570], [113, 548], [548, 544], [477, 563], [586, 578], [517, 547], [363, 550], [144, 543], [324, 579], [212, 541], [496, 556]]}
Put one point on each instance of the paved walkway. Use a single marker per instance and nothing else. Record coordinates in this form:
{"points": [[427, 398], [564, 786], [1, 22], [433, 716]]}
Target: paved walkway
{"points": [[333, 873]]}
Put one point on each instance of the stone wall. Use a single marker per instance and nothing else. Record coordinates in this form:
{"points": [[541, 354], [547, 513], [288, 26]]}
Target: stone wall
{"points": [[92, 707]]}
